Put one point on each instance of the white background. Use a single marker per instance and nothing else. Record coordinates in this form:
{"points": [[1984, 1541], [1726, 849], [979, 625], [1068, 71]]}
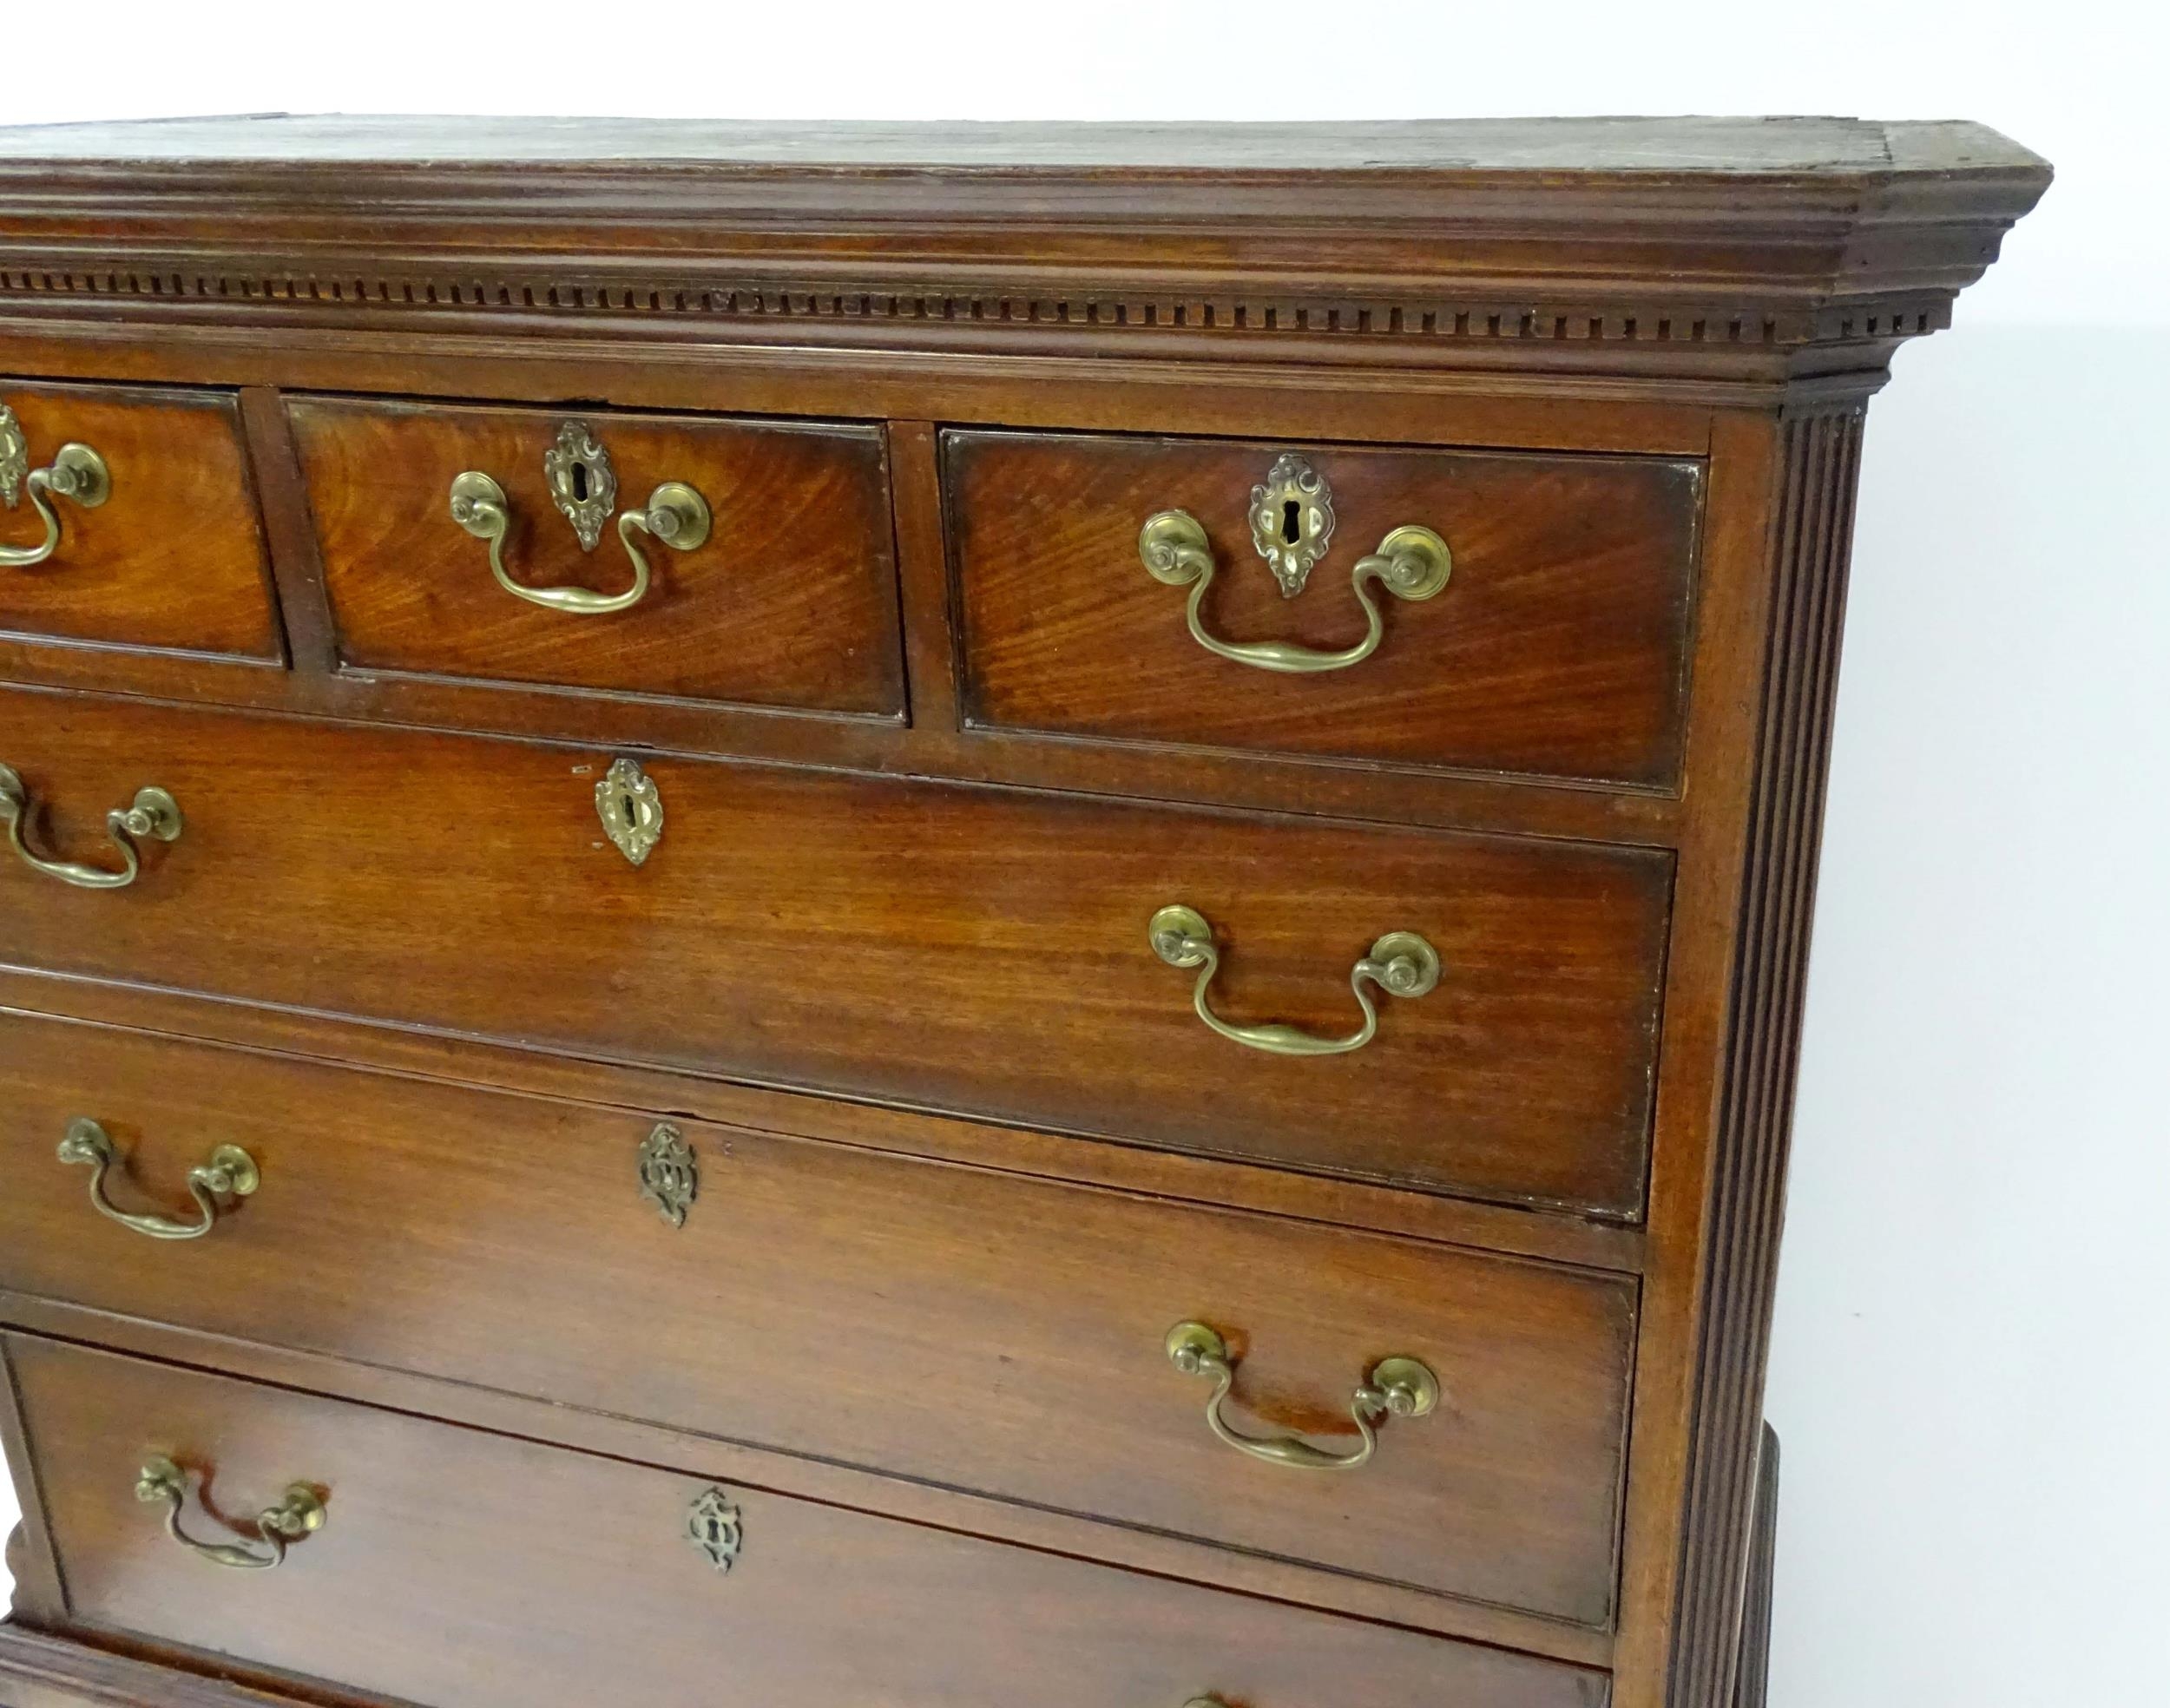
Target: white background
{"points": [[1970, 1362]]}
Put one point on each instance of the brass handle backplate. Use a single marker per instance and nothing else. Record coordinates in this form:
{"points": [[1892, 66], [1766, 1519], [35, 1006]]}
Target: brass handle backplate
{"points": [[76, 473], [583, 485], [1400, 964], [223, 1178], [300, 1513], [1412, 563], [1398, 1387], [154, 814]]}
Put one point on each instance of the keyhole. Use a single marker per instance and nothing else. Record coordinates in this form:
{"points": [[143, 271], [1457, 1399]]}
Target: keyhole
{"points": [[1291, 513], [632, 814], [580, 484]]}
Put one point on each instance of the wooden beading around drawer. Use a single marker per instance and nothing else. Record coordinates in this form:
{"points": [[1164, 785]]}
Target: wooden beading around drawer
{"points": [[777, 588], [1551, 639], [953, 1326], [983, 951], [157, 546], [403, 1590]]}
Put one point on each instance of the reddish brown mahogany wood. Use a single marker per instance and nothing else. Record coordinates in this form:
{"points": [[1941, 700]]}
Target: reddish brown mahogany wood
{"points": [[969, 949], [1559, 646], [791, 601], [1738, 1249], [458, 1566], [174, 558], [1542, 245], [1616, 1247], [1610, 799], [1733, 622], [984, 1339], [1159, 1553]]}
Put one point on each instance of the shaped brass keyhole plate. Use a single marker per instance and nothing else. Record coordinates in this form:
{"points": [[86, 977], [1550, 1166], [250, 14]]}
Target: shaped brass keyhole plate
{"points": [[583, 485], [1291, 521], [716, 1526], [631, 808], [670, 1173]]}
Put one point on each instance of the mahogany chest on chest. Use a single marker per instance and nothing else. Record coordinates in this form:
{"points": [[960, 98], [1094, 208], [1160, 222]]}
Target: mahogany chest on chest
{"points": [[917, 917]]}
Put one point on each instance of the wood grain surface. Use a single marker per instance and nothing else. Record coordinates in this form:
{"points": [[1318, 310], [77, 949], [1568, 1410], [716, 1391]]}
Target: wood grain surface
{"points": [[978, 950], [947, 1325], [174, 558], [1619, 363], [1558, 646], [791, 602], [460, 1567]]}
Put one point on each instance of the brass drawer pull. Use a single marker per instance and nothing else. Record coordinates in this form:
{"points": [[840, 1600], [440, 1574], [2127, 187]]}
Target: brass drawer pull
{"points": [[1400, 964], [229, 1174], [676, 514], [301, 1513], [1291, 524], [1397, 1387], [153, 813], [77, 472]]}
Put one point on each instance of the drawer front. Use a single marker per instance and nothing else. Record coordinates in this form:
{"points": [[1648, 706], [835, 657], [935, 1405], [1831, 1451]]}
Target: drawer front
{"points": [[1557, 645], [154, 540], [977, 1335], [976, 951], [790, 600], [458, 1568]]}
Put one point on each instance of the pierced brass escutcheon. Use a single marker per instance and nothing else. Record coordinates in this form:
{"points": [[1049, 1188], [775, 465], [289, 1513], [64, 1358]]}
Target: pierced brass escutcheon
{"points": [[300, 1513], [583, 485], [670, 1175], [1400, 964], [1291, 521], [631, 808], [76, 473], [154, 814], [1291, 525], [1398, 1387], [716, 1527], [218, 1183]]}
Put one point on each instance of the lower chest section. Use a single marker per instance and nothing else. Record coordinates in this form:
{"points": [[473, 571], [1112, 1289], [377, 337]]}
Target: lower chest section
{"points": [[913, 1063]]}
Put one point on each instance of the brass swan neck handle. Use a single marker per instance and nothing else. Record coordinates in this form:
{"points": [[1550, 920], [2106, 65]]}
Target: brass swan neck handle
{"points": [[300, 1513], [676, 513], [76, 473], [1397, 1387], [224, 1178], [1401, 962], [152, 814], [1411, 563]]}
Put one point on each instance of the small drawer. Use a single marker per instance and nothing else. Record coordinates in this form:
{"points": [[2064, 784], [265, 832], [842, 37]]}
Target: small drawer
{"points": [[1476, 611], [1463, 1014], [948, 1325], [450, 1566], [130, 521], [666, 557]]}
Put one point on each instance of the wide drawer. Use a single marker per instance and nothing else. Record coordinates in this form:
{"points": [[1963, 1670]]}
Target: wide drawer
{"points": [[457, 1568], [153, 540], [976, 951], [955, 1326], [776, 589], [1557, 643]]}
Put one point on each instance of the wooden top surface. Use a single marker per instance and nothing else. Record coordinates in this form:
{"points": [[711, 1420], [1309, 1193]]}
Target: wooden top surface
{"points": [[1711, 232], [1729, 148]]}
